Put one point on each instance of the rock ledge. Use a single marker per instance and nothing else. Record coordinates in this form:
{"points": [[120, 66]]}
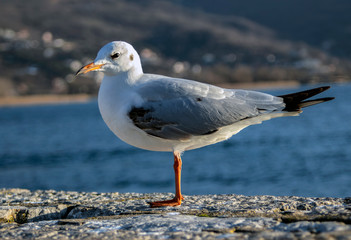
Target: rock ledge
{"points": [[68, 215]]}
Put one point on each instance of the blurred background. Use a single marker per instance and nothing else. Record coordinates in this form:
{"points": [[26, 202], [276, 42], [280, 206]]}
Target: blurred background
{"points": [[271, 45], [43, 42]]}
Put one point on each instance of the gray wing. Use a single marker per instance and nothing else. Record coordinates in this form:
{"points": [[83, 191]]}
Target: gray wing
{"points": [[178, 109]]}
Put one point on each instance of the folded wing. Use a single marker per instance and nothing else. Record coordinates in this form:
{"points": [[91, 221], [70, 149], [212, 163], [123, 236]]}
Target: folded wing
{"points": [[192, 109]]}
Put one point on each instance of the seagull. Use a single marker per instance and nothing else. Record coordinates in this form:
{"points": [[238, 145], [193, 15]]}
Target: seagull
{"points": [[160, 113]]}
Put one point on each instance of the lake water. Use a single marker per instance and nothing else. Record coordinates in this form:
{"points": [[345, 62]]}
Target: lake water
{"points": [[69, 147]]}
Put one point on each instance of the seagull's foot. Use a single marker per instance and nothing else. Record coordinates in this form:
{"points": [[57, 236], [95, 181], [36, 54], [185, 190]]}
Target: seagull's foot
{"points": [[168, 203]]}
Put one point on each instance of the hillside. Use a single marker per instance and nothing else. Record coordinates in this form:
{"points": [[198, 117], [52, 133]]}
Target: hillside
{"points": [[324, 24], [43, 42]]}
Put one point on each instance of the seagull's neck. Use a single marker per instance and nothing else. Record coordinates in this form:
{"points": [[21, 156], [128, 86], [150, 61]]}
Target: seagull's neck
{"points": [[115, 90], [125, 78], [134, 74]]}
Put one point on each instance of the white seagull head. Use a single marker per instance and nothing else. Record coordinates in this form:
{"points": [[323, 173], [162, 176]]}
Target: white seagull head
{"points": [[114, 58]]}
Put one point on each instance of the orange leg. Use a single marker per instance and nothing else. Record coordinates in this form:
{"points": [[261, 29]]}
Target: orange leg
{"points": [[177, 200]]}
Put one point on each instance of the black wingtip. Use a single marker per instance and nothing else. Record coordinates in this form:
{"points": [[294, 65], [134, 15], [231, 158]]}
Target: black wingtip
{"points": [[295, 101], [328, 99]]}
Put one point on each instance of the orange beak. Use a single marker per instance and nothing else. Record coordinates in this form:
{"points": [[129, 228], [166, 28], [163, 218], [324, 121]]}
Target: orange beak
{"points": [[88, 68]]}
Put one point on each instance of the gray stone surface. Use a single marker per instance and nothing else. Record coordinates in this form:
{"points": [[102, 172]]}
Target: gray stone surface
{"points": [[66, 215]]}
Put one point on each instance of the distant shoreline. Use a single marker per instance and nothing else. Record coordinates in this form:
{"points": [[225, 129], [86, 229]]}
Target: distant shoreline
{"points": [[82, 98], [43, 99]]}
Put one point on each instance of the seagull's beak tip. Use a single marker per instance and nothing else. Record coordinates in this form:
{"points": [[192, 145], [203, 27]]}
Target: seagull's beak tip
{"points": [[87, 68], [78, 73]]}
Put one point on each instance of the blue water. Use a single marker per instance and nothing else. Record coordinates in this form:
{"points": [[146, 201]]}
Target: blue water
{"points": [[68, 147]]}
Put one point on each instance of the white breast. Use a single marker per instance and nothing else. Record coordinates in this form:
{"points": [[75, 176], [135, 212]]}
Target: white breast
{"points": [[115, 101]]}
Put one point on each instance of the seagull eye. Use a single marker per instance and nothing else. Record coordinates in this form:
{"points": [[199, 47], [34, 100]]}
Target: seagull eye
{"points": [[115, 55]]}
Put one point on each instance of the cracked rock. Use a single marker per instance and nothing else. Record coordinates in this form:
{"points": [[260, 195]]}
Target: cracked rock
{"points": [[68, 215]]}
